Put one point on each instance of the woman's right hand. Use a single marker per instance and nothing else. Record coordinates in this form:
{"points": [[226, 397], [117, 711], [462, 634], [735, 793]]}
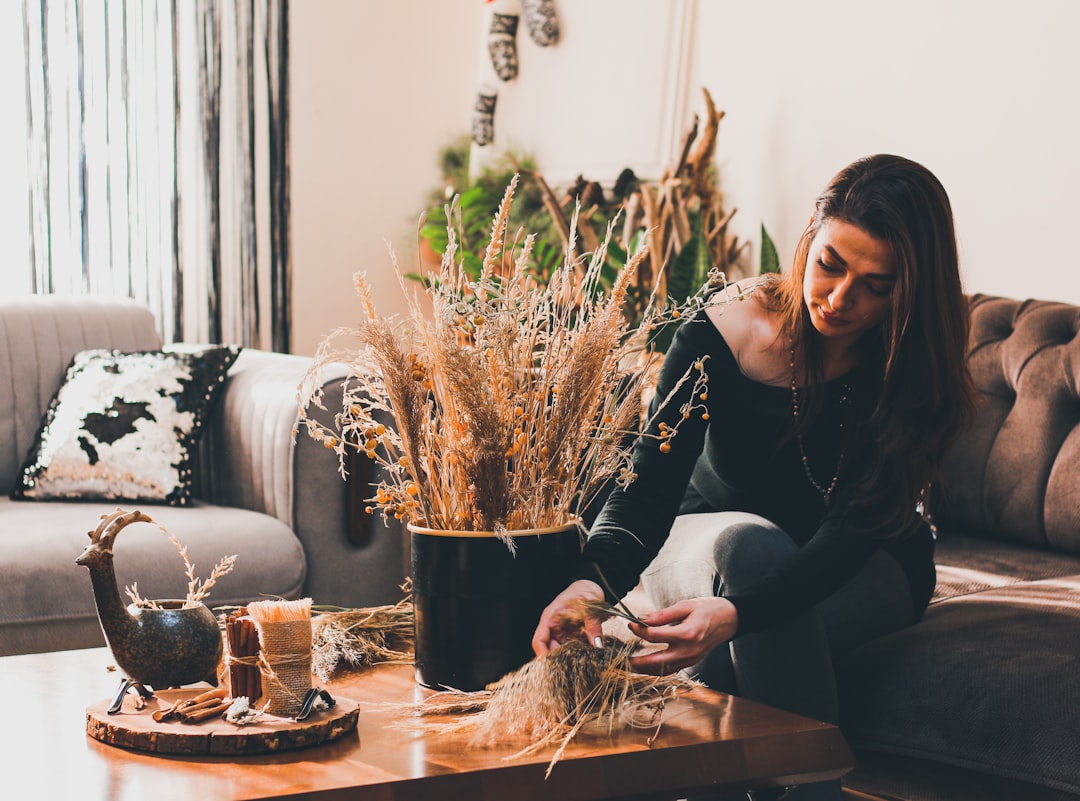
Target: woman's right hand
{"points": [[562, 620], [690, 629]]}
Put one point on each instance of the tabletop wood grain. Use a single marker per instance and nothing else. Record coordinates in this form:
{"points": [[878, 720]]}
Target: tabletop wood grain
{"points": [[706, 740]]}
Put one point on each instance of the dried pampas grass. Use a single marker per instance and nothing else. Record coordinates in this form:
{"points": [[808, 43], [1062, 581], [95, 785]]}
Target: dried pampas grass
{"points": [[499, 404], [575, 688], [361, 637]]}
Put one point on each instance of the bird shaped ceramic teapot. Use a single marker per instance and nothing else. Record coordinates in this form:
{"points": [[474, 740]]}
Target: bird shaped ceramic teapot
{"points": [[169, 643]]}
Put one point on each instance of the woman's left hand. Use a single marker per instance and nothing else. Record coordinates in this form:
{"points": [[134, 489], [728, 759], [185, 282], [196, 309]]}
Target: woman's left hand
{"points": [[690, 629]]}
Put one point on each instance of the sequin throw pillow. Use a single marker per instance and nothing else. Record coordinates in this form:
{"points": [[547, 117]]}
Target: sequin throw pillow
{"points": [[123, 426]]}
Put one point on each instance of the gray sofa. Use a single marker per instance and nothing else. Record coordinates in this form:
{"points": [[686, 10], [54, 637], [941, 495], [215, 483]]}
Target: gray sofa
{"points": [[278, 503], [978, 701]]}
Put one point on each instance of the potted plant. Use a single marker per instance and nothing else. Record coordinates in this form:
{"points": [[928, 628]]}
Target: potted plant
{"points": [[683, 211], [512, 403]]}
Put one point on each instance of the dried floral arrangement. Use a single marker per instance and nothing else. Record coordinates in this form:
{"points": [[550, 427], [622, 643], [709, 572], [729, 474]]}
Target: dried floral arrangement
{"points": [[575, 689], [361, 637], [512, 402], [197, 589]]}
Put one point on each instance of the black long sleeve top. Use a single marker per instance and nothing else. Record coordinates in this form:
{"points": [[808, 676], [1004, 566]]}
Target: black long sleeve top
{"points": [[742, 457]]}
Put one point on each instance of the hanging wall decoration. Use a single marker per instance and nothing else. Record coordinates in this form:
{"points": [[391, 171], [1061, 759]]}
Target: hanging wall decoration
{"points": [[501, 43]]}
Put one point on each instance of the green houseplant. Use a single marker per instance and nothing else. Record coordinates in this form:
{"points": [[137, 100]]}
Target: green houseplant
{"points": [[683, 211]]}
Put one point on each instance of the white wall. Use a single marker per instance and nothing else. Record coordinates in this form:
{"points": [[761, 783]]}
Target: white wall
{"points": [[613, 92], [986, 95], [377, 89]]}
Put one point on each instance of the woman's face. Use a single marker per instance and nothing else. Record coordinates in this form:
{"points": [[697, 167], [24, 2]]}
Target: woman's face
{"points": [[849, 278]]}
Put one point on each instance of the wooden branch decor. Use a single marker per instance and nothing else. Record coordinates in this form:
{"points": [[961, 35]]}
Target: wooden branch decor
{"points": [[207, 732]]}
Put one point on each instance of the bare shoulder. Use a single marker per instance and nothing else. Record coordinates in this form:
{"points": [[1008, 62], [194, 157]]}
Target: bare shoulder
{"points": [[752, 332], [737, 313]]}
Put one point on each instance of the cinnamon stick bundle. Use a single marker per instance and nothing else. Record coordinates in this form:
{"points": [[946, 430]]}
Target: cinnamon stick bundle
{"points": [[210, 704], [245, 678]]}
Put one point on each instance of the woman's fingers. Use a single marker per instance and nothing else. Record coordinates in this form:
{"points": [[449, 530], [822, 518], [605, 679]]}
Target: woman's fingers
{"points": [[543, 639], [562, 620], [669, 614], [689, 629], [593, 632]]}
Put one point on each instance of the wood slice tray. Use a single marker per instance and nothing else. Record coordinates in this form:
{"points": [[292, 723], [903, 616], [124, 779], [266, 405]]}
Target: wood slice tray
{"points": [[136, 728]]}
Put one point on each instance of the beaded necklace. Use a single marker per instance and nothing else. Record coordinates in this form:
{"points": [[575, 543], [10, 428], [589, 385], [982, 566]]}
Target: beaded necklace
{"points": [[826, 493]]}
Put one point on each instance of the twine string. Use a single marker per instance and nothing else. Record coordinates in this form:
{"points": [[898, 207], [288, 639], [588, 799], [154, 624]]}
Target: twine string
{"points": [[244, 661], [285, 664]]}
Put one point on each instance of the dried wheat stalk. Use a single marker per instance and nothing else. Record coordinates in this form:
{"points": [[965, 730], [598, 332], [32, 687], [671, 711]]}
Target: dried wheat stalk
{"points": [[361, 637], [512, 402], [198, 589], [575, 688]]}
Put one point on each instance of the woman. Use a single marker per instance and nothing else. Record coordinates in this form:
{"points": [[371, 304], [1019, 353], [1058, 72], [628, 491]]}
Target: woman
{"points": [[776, 518]]}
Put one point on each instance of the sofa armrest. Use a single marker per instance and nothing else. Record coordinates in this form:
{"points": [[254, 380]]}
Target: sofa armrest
{"points": [[251, 459]]}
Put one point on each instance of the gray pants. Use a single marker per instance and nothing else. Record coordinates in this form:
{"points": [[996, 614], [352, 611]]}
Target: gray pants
{"points": [[790, 666]]}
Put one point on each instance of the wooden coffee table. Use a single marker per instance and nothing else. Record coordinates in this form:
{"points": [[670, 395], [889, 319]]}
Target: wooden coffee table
{"points": [[707, 740]]}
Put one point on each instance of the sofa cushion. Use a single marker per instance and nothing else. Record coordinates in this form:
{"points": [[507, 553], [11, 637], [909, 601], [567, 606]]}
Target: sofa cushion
{"points": [[1012, 475], [985, 681], [38, 336], [122, 426], [970, 564], [42, 584]]}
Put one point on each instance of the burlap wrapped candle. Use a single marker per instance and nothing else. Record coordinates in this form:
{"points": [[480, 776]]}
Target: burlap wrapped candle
{"points": [[285, 642]]}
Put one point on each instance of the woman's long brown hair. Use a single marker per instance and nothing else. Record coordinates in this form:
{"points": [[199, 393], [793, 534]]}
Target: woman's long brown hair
{"points": [[918, 353]]}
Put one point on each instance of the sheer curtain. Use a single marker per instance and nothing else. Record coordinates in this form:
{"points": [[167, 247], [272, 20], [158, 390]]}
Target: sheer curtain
{"points": [[155, 143]]}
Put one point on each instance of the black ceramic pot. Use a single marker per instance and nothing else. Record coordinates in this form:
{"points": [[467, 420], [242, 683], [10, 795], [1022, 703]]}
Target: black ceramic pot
{"points": [[476, 604]]}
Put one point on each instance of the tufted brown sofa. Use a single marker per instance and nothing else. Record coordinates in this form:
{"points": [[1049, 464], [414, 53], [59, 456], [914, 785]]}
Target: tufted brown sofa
{"points": [[981, 700], [275, 501]]}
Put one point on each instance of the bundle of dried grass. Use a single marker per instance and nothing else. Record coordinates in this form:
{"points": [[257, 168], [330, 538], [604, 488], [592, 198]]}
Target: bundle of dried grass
{"points": [[198, 589], [512, 404], [573, 689], [362, 637]]}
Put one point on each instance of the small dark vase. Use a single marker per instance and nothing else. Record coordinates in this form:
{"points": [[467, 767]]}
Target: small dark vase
{"points": [[476, 604], [171, 646]]}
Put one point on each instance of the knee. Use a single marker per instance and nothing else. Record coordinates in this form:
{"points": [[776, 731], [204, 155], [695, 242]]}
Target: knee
{"points": [[747, 551], [705, 552]]}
